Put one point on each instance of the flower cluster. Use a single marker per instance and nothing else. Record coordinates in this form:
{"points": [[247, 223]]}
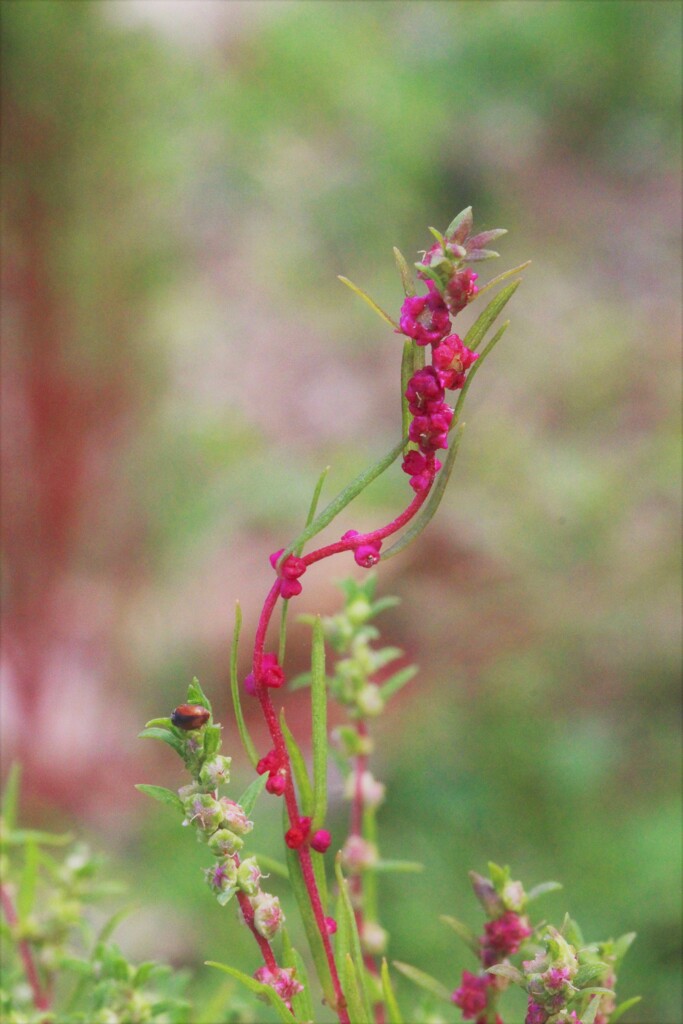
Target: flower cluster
{"points": [[270, 675], [288, 574], [300, 835], [282, 980], [275, 766]]}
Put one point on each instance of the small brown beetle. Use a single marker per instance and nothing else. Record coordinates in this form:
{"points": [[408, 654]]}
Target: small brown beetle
{"points": [[190, 716]]}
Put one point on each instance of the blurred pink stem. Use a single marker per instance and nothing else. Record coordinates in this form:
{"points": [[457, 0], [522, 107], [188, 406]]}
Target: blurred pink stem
{"points": [[40, 998]]}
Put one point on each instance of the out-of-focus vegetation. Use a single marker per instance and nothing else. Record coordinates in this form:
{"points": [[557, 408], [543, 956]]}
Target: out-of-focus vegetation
{"points": [[182, 183]]}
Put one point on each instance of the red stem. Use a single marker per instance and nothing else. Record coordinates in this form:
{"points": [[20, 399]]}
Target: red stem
{"points": [[264, 945], [274, 725], [40, 998]]}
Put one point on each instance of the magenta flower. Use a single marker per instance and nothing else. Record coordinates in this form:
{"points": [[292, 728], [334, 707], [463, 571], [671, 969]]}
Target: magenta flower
{"points": [[535, 1014], [452, 359], [461, 290], [472, 996], [282, 980], [504, 936], [424, 318]]}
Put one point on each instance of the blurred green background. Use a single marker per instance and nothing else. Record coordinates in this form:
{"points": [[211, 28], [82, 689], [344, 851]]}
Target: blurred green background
{"points": [[183, 181]]}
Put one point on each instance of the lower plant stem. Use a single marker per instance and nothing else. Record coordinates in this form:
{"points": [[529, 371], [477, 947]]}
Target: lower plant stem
{"points": [[41, 1000], [264, 945]]}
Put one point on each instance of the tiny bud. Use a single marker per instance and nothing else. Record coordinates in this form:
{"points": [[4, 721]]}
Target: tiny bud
{"points": [[321, 840], [249, 876], [367, 555], [190, 716], [370, 701], [331, 925], [222, 876], [372, 792], [204, 812], [216, 771], [373, 938], [358, 855], [276, 784], [268, 916], [234, 817], [224, 843]]}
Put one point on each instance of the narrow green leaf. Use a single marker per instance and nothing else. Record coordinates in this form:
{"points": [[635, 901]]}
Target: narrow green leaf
{"points": [[622, 946], [477, 255], [251, 794], [507, 971], [195, 695], [487, 317], [437, 235], [424, 980], [397, 681], [484, 237], [161, 723], [477, 367], [247, 741], [621, 1009], [407, 372], [542, 889], [406, 867], [312, 508], [258, 989], [166, 736], [163, 795], [588, 973], [384, 602], [371, 302], [428, 512], [390, 1002], [302, 1004], [465, 933], [10, 796], [345, 497], [355, 952], [315, 942], [28, 881], [319, 719], [301, 681], [358, 1012], [21, 836], [404, 270], [112, 923], [299, 768]]}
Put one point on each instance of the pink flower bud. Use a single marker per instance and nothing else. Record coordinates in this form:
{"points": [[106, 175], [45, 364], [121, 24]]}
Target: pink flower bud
{"points": [[367, 555], [331, 925], [321, 840], [276, 784]]}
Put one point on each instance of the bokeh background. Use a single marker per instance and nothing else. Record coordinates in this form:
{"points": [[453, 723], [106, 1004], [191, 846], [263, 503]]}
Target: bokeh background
{"points": [[183, 181]]}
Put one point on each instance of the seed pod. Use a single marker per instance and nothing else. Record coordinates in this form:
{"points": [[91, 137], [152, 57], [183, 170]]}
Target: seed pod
{"points": [[190, 716]]}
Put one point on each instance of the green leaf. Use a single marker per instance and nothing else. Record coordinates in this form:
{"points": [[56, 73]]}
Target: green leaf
{"points": [[424, 980], [621, 1009], [622, 946], [301, 681], [302, 1004], [437, 235], [460, 227], [319, 718], [10, 796], [591, 1011], [407, 371], [465, 933], [358, 1012], [166, 736], [315, 942], [195, 695], [407, 278], [251, 794], [477, 255], [542, 889], [371, 302], [503, 277], [247, 741], [110, 926], [298, 763], [507, 971], [489, 315], [428, 512], [224, 897], [212, 741], [21, 836], [406, 867], [28, 881], [346, 922], [162, 723], [345, 497], [397, 681], [475, 369], [163, 795], [588, 973], [258, 989], [390, 1002], [484, 237], [499, 876]]}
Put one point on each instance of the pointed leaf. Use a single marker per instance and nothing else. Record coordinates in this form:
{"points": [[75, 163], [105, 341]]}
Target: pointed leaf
{"points": [[393, 1011], [110, 926], [302, 1004], [258, 989], [622, 946], [503, 277], [407, 278], [166, 736], [397, 681], [406, 373], [590, 1013], [358, 1012], [299, 682], [465, 933], [28, 881], [488, 316], [163, 795], [621, 1009], [299, 768], [347, 918], [484, 237], [345, 497], [460, 227], [251, 794], [406, 867], [437, 235], [428, 511], [477, 367], [424, 980], [22, 836], [161, 723], [315, 942], [371, 302], [247, 741], [195, 695], [588, 973], [319, 717], [542, 889], [10, 796], [507, 971]]}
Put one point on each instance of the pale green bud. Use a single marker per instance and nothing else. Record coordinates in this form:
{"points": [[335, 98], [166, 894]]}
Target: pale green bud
{"points": [[224, 843], [370, 701], [249, 876], [268, 916], [215, 772]]}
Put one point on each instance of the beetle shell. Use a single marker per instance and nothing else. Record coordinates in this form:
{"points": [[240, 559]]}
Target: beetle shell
{"points": [[190, 716]]}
